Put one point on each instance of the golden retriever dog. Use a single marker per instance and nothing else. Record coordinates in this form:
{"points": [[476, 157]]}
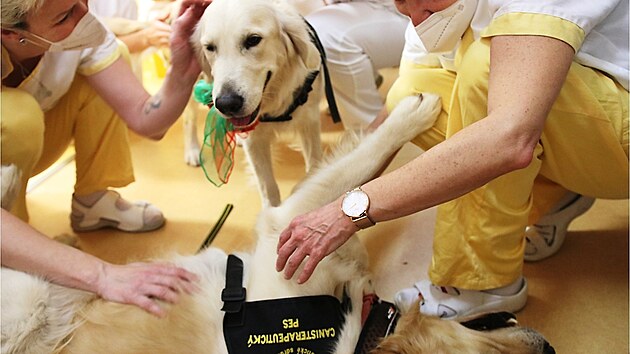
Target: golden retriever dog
{"points": [[265, 70], [40, 317], [493, 333]]}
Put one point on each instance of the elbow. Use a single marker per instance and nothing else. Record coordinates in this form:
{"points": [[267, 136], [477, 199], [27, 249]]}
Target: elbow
{"points": [[521, 154], [520, 146], [148, 132], [156, 136], [522, 157]]}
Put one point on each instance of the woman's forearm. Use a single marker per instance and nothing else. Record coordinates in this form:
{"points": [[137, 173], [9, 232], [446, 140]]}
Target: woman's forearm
{"points": [[147, 115], [162, 109], [26, 249], [453, 168]]}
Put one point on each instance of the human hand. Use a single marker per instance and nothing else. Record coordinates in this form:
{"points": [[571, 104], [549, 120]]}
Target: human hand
{"points": [[143, 284], [157, 34], [183, 57], [316, 235]]}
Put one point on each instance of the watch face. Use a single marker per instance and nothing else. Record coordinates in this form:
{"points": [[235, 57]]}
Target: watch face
{"points": [[355, 203]]}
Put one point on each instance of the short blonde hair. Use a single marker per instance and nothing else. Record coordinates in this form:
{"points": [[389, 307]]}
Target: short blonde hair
{"points": [[14, 12]]}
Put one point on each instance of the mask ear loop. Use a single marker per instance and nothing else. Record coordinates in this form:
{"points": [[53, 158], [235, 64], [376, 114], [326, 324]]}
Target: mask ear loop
{"points": [[23, 41]]}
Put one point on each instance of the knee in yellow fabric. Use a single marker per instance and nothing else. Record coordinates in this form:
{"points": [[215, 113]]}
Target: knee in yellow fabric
{"points": [[22, 129], [414, 79], [472, 81], [22, 138]]}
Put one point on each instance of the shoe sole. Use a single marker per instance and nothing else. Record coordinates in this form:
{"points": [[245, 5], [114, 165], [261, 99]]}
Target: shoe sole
{"points": [[568, 214], [112, 224]]}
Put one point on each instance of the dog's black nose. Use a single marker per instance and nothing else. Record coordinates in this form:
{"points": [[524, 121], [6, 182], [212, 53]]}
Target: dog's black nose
{"points": [[229, 104], [548, 349]]}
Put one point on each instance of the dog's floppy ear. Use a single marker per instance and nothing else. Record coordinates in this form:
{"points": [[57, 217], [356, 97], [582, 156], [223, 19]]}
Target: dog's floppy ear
{"points": [[195, 41], [297, 36]]}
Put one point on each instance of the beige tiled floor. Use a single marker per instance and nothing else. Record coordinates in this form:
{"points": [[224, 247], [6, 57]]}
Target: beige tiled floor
{"points": [[578, 299]]}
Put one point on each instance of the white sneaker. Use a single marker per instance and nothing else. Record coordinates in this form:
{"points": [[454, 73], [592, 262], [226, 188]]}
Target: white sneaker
{"points": [[448, 302], [546, 237]]}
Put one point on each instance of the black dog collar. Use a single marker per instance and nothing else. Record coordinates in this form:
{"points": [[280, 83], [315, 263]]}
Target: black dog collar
{"points": [[300, 96]]}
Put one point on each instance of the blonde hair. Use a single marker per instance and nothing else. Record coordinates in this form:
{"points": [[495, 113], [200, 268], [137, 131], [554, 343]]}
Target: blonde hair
{"points": [[14, 12]]}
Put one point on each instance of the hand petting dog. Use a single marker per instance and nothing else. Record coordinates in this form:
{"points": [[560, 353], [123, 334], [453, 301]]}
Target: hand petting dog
{"points": [[145, 284], [315, 234], [182, 29]]}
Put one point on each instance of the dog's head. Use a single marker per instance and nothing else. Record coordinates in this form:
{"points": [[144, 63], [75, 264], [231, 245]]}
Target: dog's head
{"points": [[488, 333], [254, 50]]}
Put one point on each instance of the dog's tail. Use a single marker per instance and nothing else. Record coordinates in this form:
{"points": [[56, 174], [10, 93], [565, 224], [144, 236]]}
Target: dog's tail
{"points": [[412, 116], [39, 317]]}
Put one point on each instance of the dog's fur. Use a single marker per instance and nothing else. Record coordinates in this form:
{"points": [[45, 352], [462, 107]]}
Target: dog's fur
{"points": [[39, 317], [253, 79], [419, 334]]}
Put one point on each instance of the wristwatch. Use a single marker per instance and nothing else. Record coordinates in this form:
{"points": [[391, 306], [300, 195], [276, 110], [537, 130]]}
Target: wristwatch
{"points": [[355, 205]]}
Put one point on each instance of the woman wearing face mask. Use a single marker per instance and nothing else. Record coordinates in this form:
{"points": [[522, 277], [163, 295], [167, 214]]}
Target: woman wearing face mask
{"points": [[535, 117], [63, 79]]}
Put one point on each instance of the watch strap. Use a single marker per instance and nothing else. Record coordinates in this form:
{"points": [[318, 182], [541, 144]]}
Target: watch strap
{"points": [[364, 221]]}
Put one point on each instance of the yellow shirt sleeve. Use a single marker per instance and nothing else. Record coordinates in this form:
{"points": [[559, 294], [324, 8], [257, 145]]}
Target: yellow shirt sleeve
{"points": [[521, 23], [101, 64], [97, 59]]}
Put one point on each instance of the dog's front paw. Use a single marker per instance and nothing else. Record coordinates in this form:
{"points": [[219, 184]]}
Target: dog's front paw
{"points": [[417, 113], [10, 175], [191, 156]]}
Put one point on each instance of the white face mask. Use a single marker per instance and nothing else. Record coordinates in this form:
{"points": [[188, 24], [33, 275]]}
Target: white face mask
{"points": [[441, 31], [88, 33]]}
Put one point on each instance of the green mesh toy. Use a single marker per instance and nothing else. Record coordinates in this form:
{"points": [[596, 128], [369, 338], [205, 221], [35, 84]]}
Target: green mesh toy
{"points": [[219, 140]]}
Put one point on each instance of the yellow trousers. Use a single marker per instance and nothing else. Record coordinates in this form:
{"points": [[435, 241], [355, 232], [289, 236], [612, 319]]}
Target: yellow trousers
{"points": [[34, 140], [479, 237]]}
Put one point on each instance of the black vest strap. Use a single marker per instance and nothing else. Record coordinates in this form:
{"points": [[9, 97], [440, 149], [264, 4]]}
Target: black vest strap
{"points": [[330, 96], [300, 96], [234, 294]]}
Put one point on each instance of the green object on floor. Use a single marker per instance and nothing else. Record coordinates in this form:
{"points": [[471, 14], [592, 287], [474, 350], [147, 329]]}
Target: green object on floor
{"points": [[217, 227]]}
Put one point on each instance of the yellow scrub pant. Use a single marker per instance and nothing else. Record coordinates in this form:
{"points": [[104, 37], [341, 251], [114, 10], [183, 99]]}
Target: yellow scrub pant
{"points": [[479, 237], [33, 140]]}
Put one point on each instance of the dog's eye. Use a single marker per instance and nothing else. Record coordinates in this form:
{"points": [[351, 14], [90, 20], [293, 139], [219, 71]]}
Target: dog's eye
{"points": [[252, 41], [211, 47]]}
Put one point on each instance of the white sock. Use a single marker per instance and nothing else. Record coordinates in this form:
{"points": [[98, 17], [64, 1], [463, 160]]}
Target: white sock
{"points": [[510, 289]]}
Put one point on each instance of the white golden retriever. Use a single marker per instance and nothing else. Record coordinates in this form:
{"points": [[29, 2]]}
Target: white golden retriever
{"points": [[261, 58], [39, 317]]}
